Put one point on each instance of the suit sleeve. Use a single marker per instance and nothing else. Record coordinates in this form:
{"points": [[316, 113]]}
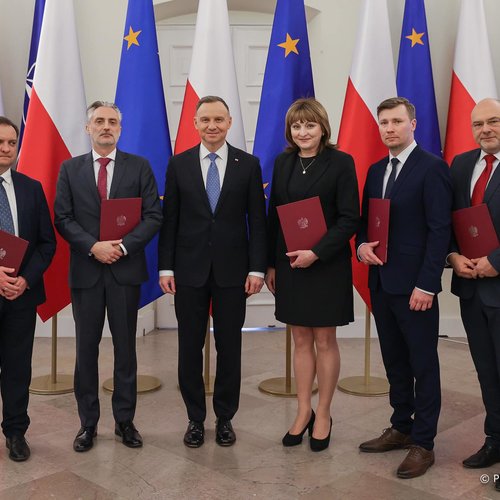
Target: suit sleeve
{"points": [[64, 216], [346, 200], [168, 232], [151, 216], [257, 247], [45, 244], [273, 225]]}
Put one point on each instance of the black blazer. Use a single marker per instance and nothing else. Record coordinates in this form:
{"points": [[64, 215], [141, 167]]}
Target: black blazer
{"points": [[419, 227], [232, 241], [333, 179], [77, 211], [35, 226], [461, 174]]}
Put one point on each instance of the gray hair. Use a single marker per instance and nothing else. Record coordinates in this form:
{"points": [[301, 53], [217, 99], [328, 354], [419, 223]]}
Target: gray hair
{"points": [[102, 104]]}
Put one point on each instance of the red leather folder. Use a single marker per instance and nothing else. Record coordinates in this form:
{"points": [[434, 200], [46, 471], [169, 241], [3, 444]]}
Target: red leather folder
{"points": [[474, 231], [12, 250], [119, 216], [303, 223], [378, 225]]}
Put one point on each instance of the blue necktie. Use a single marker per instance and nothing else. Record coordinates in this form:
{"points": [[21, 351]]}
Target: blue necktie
{"points": [[6, 222], [392, 178], [213, 182]]}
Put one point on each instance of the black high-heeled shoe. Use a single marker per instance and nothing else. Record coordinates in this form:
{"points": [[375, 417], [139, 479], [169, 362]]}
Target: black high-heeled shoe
{"points": [[320, 444], [295, 439]]}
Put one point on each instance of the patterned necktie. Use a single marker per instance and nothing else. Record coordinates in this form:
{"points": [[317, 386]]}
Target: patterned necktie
{"points": [[102, 178], [392, 178], [482, 182], [6, 221], [213, 182]]}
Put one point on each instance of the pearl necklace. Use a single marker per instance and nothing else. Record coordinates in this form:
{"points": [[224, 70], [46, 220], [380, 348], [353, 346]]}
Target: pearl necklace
{"points": [[304, 169]]}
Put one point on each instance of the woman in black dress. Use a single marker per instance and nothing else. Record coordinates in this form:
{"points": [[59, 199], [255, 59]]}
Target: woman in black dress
{"points": [[314, 292]]}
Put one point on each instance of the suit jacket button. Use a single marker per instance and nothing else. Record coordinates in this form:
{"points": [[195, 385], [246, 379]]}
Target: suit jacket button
{"points": [[209, 243], [213, 220]]}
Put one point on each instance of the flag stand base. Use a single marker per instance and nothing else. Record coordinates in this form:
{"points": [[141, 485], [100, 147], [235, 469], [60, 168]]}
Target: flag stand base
{"points": [[145, 383], [63, 384]]}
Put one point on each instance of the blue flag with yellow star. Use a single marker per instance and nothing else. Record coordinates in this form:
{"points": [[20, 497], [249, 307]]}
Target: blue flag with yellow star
{"points": [[139, 95], [414, 78], [288, 77]]}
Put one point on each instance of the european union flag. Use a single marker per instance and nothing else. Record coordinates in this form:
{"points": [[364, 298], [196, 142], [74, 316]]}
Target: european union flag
{"points": [[288, 77], [139, 95], [414, 79]]}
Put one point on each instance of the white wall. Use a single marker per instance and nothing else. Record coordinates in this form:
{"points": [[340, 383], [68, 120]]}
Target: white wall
{"points": [[332, 31]]}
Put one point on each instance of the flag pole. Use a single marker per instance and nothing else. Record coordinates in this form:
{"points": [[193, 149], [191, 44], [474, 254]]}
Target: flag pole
{"points": [[52, 383], [284, 386], [365, 385], [209, 380]]}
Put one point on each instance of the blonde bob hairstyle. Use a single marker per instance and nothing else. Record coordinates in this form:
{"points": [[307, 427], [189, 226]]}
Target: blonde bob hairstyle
{"points": [[308, 110]]}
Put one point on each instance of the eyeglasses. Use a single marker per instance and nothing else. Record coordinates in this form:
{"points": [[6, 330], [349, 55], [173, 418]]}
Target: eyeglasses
{"points": [[492, 122]]}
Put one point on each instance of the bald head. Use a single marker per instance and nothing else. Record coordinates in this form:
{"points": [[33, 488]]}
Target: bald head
{"points": [[485, 118]]}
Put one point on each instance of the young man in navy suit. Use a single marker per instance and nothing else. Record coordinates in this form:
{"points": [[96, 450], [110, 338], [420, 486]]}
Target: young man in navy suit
{"points": [[477, 281], [23, 212], [404, 290], [212, 248]]}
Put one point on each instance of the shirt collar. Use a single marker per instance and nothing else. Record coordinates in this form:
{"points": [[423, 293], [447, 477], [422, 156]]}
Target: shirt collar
{"points": [[7, 175], [484, 153], [221, 152], [111, 155], [403, 156]]}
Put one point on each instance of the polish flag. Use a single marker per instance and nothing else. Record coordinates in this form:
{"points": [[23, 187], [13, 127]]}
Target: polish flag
{"points": [[472, 78], [372, 80], [55, 128], [212, 72]]}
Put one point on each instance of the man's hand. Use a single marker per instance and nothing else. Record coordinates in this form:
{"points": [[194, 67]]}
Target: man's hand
{"points": [[21, 285], [483, 268], [106, 251], [253, 284], [420, 301], [367, 255], [7, 283], [271, 279], [302, 258], [462, 266], [167, 284]]}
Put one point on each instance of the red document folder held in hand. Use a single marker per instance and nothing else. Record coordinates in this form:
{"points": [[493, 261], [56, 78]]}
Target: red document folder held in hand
{"points": [[378, 225], [474, 231], [12, 250], [118, 217], [303, 223]]}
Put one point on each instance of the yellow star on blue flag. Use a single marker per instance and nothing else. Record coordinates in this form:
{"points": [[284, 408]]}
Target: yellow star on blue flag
{"points": [[132, 36]]}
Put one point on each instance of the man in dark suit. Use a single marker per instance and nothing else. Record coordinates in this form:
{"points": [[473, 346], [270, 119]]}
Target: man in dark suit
{"points": [[105, 275], [477, 281], [213, 240], [23, 212], [403, 290]]}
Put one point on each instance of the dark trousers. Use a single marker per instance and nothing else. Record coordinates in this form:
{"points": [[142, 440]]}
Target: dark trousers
{"points": [[408, 341], [482, 325], [17, 331], [89, 307], [228, 311]]}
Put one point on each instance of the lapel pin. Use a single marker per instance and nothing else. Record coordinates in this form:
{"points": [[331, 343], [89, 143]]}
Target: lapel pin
{"points": [[236, 159]]}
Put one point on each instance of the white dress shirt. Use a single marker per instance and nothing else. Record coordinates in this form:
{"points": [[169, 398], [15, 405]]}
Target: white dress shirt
{"points": [[479, 167], [11, 196]]}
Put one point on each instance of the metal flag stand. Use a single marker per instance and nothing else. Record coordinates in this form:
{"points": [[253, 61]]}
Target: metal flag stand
{"points": [[284, 386], [52, 383], [365, 385], [209, 379]]}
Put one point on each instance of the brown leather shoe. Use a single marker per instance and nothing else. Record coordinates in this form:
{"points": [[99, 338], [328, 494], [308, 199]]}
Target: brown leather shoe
{"points": [[416, 462], [391, 439]]}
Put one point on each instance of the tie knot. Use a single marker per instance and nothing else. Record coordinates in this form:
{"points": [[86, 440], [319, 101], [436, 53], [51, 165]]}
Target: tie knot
{"points": [[103, 161], [489, 159], [394, 162], [212, 156]]}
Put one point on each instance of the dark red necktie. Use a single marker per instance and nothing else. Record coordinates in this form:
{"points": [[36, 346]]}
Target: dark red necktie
{"points": [[482, 182], [102, 178]]}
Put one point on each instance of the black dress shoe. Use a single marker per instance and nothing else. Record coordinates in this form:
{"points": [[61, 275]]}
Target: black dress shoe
{"points": [[296, 439], [224, 433], [129, 434], [195, 434], [19, 451], [485, 457], [321, 444], [84, 440]]}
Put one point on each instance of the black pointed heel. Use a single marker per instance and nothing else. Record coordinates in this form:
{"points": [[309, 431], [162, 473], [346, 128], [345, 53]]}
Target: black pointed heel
{"points": [[321, 444], [296, 439]]}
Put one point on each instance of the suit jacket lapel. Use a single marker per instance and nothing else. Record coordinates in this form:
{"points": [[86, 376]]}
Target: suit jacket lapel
{"points": [[231, 170], [89, 176], [193, 168], [284, 179], [408, 166], [315, 172], [493, 185], [20, 202], [121, 165], [378, 179]]}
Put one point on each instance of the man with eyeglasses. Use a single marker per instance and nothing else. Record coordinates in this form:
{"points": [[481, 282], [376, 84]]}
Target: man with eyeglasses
{"points": [[476, 179]]}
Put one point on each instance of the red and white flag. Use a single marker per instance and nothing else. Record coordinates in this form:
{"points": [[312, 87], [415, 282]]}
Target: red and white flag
{"points": [[212, 72], [55, 128], [372, 80], [472, 79]]}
